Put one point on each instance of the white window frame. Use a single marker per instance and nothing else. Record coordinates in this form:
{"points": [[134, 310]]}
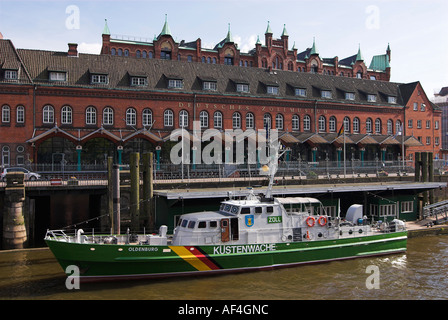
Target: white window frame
{"points": [[99, 79], [168, 118], [90, 115], [58, 76], [203, 119], [6, 114], [183, 119], [217, 119], [279, 121], [66, 115], [241, 87], [20, 114], [108, 116], [295, 122], [147, 117], [175, 84], [236, 120], [250, 120], [48, 114], [131, 117]]}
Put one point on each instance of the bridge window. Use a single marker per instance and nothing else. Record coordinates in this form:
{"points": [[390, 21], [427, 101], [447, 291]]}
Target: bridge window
{"points": [[245, 210], [202, 224]]}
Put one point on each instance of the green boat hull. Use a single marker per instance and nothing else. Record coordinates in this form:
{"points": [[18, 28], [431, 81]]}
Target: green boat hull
{"points": [[98, 262]]}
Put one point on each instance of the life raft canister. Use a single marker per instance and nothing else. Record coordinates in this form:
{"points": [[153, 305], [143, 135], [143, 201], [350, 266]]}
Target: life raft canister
{"points": [[322, 221], [310, 221]]}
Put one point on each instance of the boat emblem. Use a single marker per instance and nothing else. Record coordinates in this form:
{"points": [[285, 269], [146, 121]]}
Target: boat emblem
{"points": [[249, 220]]}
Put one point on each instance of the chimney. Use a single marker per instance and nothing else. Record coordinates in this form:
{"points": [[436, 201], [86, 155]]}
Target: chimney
{"points": [[72, 49]]}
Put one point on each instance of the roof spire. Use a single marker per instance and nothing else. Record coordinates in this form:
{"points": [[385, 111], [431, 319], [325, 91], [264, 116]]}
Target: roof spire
{"points": [[106, 28], [166, 29], [359, 55], [285, 33], [268, 30], [229, 36], [258, 40], [313, 49]]}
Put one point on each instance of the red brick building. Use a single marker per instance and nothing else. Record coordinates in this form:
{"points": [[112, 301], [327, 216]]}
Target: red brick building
{"points": [[81, 108]]}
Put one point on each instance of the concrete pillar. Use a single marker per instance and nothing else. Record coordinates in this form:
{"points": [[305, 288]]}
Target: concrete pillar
{"points": [[134, 167], [14, 226]]}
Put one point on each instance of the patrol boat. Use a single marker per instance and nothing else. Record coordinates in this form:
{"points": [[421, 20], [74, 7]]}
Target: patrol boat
{"points": [[256, 233]]}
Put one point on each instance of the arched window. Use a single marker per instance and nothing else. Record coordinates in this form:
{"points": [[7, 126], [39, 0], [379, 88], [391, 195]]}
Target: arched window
{"points": [[131, 117], [48, 114], [168, 118], [203, 119], [369, 125], [138, 53], [120, 52], [279, 121], [346, 124], [6, 156], [250, 120], [217, 119], [66, 115], [183, 119], [332, 124], [90, 115], [150, 54], [390, 127], [378, 125], [322, 123], [236, 120], [20, 116], [144, 54], [108, 116], [113, 51], [6, 114], [398, 127], [295, 122], [306, 123], [147, 118], [356, 125], [267, 121], [126, 52]]}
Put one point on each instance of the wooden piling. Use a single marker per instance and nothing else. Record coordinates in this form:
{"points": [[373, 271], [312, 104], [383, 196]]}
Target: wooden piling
{"points": [[134, 167]]}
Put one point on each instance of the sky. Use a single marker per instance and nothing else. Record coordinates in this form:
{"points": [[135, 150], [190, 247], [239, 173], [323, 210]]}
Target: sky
{"points": [[416, 30]]}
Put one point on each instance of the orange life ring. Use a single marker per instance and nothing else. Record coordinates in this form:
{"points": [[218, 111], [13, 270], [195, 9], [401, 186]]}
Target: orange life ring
{"points": [[322, 221], [310, 221]]}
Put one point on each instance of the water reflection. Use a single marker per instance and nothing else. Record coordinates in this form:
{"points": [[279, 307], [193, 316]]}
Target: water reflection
{"points": [[418, 274]]}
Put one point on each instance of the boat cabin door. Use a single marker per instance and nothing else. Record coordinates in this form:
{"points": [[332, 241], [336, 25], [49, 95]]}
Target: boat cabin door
{"points": [[225, 230]]}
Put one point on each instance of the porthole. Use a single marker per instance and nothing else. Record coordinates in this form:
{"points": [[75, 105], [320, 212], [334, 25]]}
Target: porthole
{"points": [[20, 149]]}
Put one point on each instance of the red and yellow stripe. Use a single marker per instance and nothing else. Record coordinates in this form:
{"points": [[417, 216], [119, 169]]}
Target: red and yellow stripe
{"points": [[195, 257]]}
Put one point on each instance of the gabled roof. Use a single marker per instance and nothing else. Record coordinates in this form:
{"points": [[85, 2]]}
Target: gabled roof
{"points": [[118, 68]]}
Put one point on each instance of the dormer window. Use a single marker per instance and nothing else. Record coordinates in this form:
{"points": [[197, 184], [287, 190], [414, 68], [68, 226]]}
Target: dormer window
{"points": [[349, 96], [139, 81], [371, 98], [326, 94], [57, 76], [300, 92], [241, 87], [209, 85], [99, 79], [11, 74], [392, 100], [272, 90], [175, 84]]}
